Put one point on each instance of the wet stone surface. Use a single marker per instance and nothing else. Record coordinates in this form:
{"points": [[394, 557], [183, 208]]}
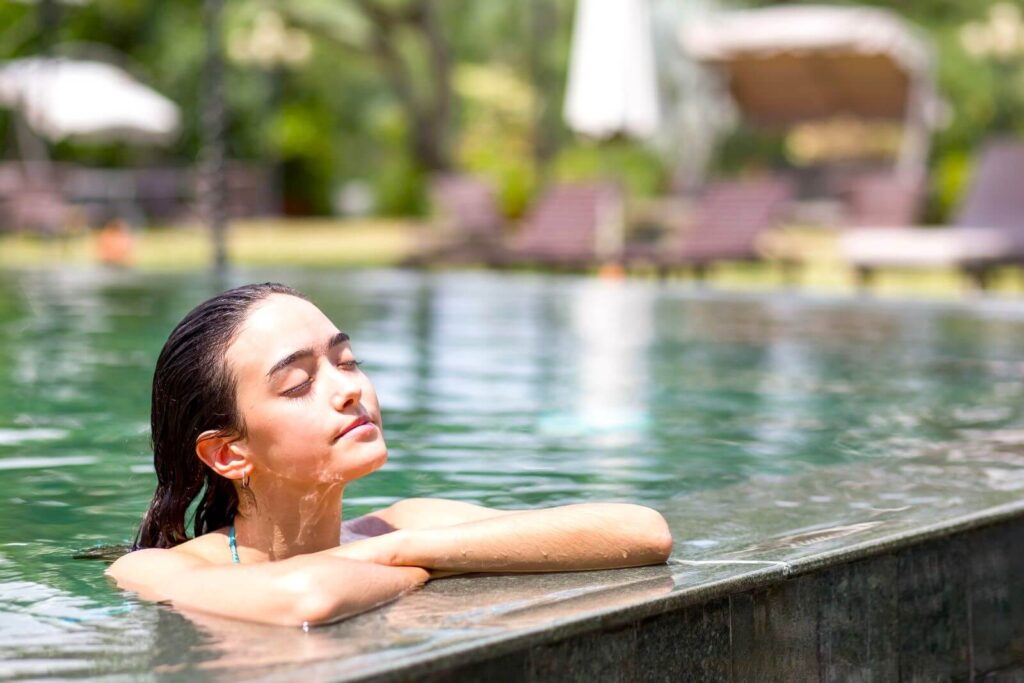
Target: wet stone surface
{"points": [[860, 621], [933, 636], [996, 597], [695, 639]]}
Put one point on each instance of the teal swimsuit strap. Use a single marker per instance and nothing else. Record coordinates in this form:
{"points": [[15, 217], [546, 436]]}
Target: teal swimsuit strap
{"points": [[233, 545]]}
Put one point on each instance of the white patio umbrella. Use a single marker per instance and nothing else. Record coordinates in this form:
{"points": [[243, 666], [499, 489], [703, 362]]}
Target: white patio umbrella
{"points": [[65, 98], [612, 85]]}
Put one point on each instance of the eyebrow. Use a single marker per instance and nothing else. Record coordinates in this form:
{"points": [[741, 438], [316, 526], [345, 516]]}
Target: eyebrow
{"points": [[339, 338]]}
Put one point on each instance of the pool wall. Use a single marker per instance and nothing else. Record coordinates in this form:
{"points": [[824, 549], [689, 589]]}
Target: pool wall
{"points": [[942, 603]]}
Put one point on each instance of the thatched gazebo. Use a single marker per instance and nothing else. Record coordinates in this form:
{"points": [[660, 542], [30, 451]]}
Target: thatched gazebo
{"points": [[787, 65]]}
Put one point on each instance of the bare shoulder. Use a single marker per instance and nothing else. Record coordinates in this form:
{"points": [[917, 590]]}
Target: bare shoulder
{"points": [[212, 547], [419, 513], [142, 569]]}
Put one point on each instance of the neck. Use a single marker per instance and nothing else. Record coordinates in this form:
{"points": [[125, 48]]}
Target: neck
{"points": [[283, 523]]}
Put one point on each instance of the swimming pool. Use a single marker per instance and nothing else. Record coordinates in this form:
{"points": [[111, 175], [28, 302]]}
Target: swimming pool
{"points": [[507, 390]]}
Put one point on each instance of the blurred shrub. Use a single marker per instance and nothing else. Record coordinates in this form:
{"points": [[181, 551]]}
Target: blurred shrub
{"points": [[495, 132], [398, 183], [399, 187], [638, 167], [949, 180], [296, 137], [748, 148]]}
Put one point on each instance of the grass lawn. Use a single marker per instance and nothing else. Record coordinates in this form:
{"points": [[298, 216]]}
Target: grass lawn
{"points": [[377, 242], [307, 242]]}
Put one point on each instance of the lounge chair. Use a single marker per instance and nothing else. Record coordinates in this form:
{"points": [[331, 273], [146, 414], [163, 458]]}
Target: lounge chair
{"points": [[729, 221], [31, 198], [468, 222], [572, 226], [164, 193], [38, 209], [988, 230], [883, 199]]}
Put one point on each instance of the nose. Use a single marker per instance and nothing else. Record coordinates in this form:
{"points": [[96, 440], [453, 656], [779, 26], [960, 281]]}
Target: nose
{"points": [[345, 391]]}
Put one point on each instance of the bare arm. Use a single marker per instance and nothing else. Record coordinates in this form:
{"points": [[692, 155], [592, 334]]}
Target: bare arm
{"points": [[571, 537], [308, 589]]}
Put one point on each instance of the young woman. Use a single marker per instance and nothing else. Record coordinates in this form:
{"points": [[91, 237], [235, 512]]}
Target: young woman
{"points": [[260, 417]]}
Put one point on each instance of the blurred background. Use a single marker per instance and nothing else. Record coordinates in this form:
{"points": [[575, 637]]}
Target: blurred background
{"points": [[836, 145], [385, 156]]}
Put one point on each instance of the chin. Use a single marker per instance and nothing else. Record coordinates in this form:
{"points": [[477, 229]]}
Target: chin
{"points": [[365, 464], [379, 461]]}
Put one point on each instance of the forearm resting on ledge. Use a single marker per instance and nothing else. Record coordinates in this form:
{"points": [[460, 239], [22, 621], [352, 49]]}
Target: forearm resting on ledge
{"points": [[572, 537]]}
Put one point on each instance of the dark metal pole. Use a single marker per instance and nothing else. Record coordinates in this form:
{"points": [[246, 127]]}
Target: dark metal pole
{"points": [[543, 22], [213, 197], [49, 25]]}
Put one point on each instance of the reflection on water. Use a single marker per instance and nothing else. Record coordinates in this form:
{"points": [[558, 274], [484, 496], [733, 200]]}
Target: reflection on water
{"points": [[767, 429], [613, 328]]}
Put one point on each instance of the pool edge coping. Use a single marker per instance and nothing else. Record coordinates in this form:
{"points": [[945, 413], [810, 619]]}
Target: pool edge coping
{"points": [[489, 647]]}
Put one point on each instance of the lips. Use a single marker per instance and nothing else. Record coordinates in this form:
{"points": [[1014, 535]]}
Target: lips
{"points": [[358, 422]]}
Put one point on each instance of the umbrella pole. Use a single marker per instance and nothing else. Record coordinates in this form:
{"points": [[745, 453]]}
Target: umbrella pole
{"points": [[35, 158], [48, 14], [214, 185], [912, 159]]}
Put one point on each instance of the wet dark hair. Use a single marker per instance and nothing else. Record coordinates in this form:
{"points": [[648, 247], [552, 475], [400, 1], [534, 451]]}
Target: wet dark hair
{"points": [[194, 391]]}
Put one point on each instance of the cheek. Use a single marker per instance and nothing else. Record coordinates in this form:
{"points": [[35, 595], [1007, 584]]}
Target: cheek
{"points": [[290, 427], [370, 401], [290, 454]]}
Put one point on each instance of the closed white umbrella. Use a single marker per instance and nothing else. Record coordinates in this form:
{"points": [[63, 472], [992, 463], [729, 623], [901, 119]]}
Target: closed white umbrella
{"points": [[65, 98], [612, 85]]}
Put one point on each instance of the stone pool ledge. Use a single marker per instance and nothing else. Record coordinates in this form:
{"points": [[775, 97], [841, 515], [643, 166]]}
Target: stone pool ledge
{"points": [[906, 569]]}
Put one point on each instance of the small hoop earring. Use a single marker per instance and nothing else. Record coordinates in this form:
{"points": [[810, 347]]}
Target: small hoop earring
{"points": [[245, 481]]}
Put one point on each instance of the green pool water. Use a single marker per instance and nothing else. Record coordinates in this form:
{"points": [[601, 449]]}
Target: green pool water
{"points": [[506, 390]]}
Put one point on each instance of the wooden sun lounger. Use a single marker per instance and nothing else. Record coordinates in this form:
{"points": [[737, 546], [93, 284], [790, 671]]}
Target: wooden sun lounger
{"points": [[988, 230], [467, 225], [730, 219], [573, 226], [883, 199]]}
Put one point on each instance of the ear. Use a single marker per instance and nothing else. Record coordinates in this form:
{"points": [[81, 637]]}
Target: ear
{"points": [[225, 455]]}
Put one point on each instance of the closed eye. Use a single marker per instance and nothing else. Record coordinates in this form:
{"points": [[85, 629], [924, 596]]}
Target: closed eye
{"points": [[298, 389]]}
